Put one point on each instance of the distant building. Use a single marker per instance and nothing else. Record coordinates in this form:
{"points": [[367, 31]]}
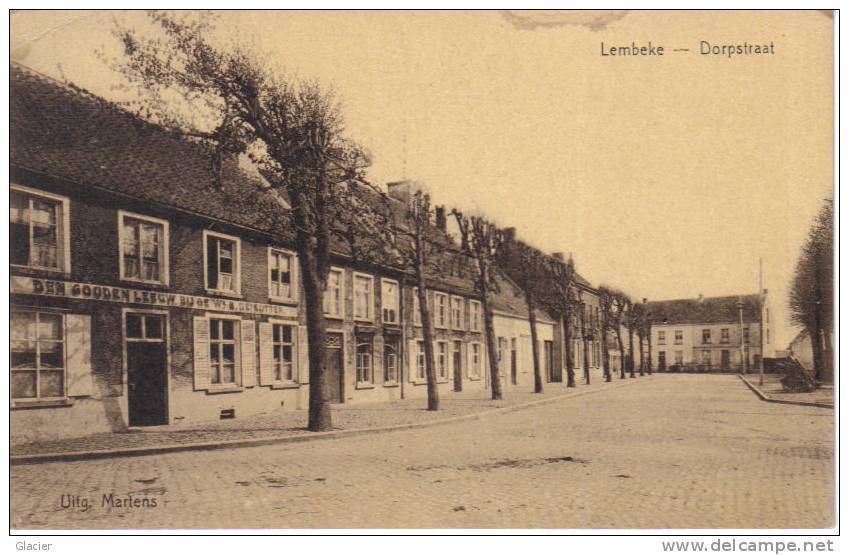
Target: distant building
{"points": [[710, 333]]}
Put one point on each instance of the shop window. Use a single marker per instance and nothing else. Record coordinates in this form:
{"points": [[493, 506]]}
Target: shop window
{"points": [[37, 356]]}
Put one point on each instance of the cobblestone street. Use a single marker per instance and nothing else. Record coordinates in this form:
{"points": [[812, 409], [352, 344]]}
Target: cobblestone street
{"points": [[667, 452]]}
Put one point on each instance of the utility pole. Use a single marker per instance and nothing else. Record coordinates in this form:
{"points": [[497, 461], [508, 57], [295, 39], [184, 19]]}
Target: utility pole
{"points": [[761, 299], [743, 356]]}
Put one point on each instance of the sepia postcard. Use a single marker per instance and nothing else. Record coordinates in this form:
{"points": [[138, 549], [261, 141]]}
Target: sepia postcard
{"points": [[558, 271]]}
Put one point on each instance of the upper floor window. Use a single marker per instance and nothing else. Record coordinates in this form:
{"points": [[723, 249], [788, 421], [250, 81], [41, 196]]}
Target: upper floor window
{"points": [[363, 297], [417, 308], [282, 280], [475, 315], [333, 293], [679, 337], [706, 337], [440, 301], [457, 313], [661, 337], [724, 335], [389, 301], [38, 230], [222, 262], [144, 248]]}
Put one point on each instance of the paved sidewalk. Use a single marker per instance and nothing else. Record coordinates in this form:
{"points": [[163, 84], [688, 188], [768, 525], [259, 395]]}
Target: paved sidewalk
{"points": [[291, 425], [772, 390]]}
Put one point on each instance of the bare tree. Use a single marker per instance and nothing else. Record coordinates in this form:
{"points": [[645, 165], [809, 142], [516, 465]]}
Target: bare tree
{"points": [[605, 301], [619, 311], [582, 321], [632, 324], [230, 102], [482, 240], [416, 241], [563, 280], [529, 271], [812, 290]]}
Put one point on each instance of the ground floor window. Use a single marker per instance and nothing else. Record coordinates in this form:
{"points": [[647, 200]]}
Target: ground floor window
{"points": [[364, 361], [222, 351], [283, 352], [37, 355], [442, 360], [390, 361], [421, 371], [679, 357], [477, 360]]}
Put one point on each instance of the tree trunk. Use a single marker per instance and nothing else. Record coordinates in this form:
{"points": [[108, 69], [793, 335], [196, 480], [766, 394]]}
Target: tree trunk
{"points": [[816, 350], [427, 332], [532, 320], [650, 353], [584, 349], [621, 352], [605, 356], [641, 337], [319, 408], [631, 353], [567, 338], [489, 327]]}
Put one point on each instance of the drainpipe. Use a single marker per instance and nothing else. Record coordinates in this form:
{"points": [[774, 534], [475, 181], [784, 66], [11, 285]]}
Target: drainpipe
{"points": [[742, 337]]}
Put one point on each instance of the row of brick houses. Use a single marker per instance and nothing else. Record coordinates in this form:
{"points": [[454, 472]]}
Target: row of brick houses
{"points": [[145, 290]]}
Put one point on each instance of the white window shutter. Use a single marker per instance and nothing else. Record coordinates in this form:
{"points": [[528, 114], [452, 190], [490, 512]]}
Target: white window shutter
{"points": [[78, 344], [412, 360], [266, 356], [248, 353], [201, 352], [303, 355]]}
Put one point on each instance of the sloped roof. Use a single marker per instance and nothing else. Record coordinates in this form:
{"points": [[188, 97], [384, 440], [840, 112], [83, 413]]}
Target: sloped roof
{"points": [[510, 298], [63, 131], [707, 310]]}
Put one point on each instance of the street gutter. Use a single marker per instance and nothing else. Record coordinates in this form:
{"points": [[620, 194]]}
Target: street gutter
{"points": [[257, 442]]}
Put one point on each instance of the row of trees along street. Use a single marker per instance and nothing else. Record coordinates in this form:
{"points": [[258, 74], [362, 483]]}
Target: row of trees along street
{"points": [[233, 104]]}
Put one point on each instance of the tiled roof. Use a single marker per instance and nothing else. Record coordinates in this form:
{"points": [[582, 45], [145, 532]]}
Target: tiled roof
{"points": [[62, 131], [708, 310], [510, 298]]}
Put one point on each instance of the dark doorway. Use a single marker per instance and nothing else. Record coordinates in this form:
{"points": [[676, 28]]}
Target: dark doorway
{"points": [[514, 377], [726, 360], [335, 368], [458, 365], [548, 358], [147, 368], [661, 360]]}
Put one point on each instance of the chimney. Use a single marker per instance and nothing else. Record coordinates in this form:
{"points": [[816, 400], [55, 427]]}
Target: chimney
{"points": [[441, 220], [558, 256], [400, 190], [701, 298], [766, 291], [645, 300]]}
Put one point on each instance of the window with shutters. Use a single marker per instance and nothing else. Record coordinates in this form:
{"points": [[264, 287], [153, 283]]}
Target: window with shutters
{"points": [[365, 361], [475, 315], [476, 363], [457, 313], [442, 360], [440, 305], [222, 255], [363, 297], [223, 345], [390, 301], [390, 361], [39, 228], [37, 355], [144, 248], [284, 353], [282, 277], [421, 365], [334, 293]]}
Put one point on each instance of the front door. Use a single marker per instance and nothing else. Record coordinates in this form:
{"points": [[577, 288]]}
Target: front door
{"points": [[334, 373], [548, 360], [726, 360], [147, 367], [458, 366], [514, 371]]}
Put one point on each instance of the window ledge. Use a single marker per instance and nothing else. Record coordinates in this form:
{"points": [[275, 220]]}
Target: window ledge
{"points": [[442, 380], [224, 389], [474, 379], [285, 385], [334, 316], [157, 284], [17, 405], [391, 384], [363, 385], [31, 270], [283, 301], [364, 320]]}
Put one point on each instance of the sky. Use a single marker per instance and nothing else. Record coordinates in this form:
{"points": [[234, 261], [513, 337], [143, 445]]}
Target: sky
{"points": [[667, 177]]}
